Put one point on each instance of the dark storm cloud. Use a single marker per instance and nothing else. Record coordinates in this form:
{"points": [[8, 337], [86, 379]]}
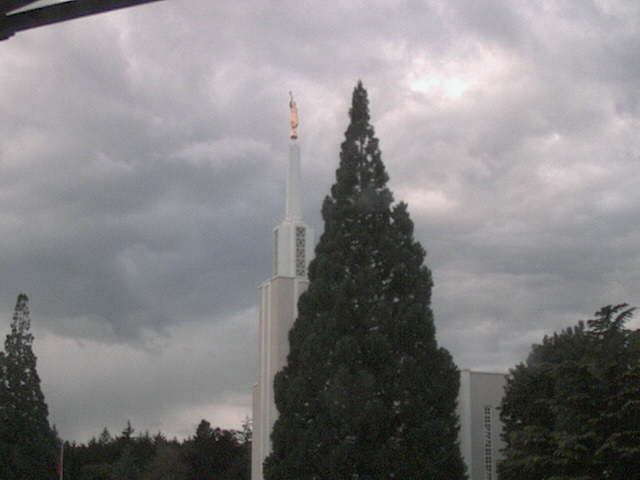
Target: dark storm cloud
{"points": [[142, 167]]}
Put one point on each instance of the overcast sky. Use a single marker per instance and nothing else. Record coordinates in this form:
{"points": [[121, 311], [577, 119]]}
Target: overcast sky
{"points": [[142, 168]]}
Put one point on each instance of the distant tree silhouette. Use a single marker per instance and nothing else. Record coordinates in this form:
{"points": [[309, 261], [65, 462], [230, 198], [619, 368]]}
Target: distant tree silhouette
{"points": [[27, 441]]}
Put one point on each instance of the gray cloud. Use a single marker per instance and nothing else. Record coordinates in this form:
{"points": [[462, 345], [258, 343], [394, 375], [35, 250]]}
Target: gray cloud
{"points": [[142, 168]]}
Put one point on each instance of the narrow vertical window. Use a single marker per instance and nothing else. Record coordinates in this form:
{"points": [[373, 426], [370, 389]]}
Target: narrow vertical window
{"points": [[488, 443]]}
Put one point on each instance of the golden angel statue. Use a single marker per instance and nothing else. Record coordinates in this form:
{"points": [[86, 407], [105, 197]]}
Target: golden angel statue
{"points": [[293, 117]]}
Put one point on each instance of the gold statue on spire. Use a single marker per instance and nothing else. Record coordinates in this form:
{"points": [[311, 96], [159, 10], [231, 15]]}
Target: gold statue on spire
{"points": [[293, 117]]}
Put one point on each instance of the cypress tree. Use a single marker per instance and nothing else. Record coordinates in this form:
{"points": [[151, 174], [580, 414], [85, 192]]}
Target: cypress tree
{"points": [[28, 442], [367, 393]]}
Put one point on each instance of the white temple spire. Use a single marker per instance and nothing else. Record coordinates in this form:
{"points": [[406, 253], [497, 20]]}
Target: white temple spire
{"points": [[294, 201], [293, 243]]}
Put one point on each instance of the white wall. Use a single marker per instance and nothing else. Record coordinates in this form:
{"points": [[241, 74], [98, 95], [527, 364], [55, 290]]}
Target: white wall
{"points": [[480, 427]]}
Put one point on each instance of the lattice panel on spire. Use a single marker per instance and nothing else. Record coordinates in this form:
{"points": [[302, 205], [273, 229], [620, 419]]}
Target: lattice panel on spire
{"points": [[301, 264]]}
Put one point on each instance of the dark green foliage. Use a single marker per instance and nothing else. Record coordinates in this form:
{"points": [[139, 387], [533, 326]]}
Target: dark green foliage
{"points": [[212, 453], [134, 454], [126, 467], [27, 442], [572, 411], [167, 464], [367, 392], [94, 471]]}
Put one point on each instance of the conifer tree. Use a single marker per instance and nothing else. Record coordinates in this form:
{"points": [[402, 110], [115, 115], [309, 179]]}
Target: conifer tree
{"points": [[213, 454], [105, 437], [5, 441], [28, 442], [367, 393]]}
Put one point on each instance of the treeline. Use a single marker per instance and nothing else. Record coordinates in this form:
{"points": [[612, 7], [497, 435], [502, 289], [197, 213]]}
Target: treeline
{"points": [[211, 454]]}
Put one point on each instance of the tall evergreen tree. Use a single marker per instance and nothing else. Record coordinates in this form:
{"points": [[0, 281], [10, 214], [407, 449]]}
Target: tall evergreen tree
{"points": [[366, 393], [28, 442], [572, 411]]}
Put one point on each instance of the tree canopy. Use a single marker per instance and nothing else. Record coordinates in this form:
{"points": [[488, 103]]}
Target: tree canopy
{"points": [[572, 410]]}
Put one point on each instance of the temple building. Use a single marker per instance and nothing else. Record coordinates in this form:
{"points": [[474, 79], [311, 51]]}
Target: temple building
{"points": [[293, 244], [480, 426]]}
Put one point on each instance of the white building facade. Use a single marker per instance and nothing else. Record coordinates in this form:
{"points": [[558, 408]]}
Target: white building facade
{"points": [[480, 426]]}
